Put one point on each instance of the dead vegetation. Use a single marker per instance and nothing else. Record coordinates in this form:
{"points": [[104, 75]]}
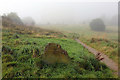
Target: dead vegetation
{"points": [[99, 57], [93, 40]]}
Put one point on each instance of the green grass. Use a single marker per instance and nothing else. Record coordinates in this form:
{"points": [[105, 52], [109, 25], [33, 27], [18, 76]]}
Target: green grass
{"points": [[0, 68], [84, 31], [19, 63], [85, 34], [109, 48]]}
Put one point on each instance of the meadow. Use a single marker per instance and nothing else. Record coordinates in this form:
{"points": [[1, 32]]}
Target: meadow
{"points": [[17, 51], [105, 41]]}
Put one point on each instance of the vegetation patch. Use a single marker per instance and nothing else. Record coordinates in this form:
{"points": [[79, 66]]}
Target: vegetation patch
{"points": [[24, 58]]}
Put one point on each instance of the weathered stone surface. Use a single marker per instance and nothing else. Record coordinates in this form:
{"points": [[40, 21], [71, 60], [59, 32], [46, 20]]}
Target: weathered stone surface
{"points": [[55, 54]]}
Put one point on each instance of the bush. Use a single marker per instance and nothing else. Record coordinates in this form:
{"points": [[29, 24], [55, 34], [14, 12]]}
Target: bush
{"points": [[11, 20], [97, 25]]}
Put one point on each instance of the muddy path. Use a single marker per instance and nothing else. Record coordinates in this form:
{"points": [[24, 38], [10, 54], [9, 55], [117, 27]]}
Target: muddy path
{"points": [[109, 62]]}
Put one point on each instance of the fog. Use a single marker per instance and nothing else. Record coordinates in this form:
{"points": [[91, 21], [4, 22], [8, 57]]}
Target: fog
{"points": [[58, 12]]}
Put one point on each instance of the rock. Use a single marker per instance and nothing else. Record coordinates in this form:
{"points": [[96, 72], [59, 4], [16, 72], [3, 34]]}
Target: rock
{"points": [[55, 54]]}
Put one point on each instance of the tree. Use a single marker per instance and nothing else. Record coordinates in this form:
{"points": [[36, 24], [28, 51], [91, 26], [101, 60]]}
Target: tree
{"points": [[97, 25], [28, 21], [15, 18], [11, 20]]}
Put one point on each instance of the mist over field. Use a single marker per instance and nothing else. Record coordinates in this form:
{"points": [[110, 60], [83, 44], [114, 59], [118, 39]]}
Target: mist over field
{"points": [[62, 12], [59, 39]]}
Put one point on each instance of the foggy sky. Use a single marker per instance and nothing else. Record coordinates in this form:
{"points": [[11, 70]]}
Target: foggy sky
{"points": [[59, 11]]}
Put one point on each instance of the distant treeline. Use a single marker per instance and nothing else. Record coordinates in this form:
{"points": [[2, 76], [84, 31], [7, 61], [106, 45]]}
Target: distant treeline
{"points": [[13, 20]]}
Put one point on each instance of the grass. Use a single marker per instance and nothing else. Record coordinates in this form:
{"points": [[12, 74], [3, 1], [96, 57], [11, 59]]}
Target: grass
{"points": [[85, 34], [111, 32], [0, 68], [19, 49], [109, 48]]}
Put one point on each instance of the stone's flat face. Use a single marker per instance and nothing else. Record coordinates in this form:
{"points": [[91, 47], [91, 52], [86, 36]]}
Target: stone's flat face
{"points": [[55, 54]]}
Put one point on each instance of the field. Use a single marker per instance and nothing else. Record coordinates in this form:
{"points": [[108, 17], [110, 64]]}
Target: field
{"points": [[111, 32], [105, 42], [19, 44]]}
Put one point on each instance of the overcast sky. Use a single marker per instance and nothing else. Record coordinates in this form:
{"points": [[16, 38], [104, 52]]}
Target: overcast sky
{"points": [[58, 11]]}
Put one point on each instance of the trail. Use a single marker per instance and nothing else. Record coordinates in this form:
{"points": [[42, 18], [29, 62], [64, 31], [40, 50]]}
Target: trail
{"points": [[109, 62]]}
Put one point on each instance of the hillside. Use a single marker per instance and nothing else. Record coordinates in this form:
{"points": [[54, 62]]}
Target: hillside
{"points": [[19, 43]]}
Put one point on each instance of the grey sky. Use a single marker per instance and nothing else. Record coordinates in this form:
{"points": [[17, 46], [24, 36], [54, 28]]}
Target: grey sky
{"points": [[56, 11]]}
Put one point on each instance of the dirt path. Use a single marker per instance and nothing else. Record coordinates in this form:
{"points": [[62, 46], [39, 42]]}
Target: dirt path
{"points": [[109, 62]]}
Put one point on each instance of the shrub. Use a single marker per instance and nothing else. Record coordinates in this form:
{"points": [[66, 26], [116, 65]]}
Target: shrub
{"points": [[97, 25]]}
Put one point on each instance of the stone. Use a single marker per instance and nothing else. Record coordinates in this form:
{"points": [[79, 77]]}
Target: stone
{"points": [[55, 54]]}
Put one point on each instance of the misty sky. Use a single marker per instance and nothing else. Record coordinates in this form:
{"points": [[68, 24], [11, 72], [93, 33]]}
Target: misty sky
{"points": [[59, 11]]}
